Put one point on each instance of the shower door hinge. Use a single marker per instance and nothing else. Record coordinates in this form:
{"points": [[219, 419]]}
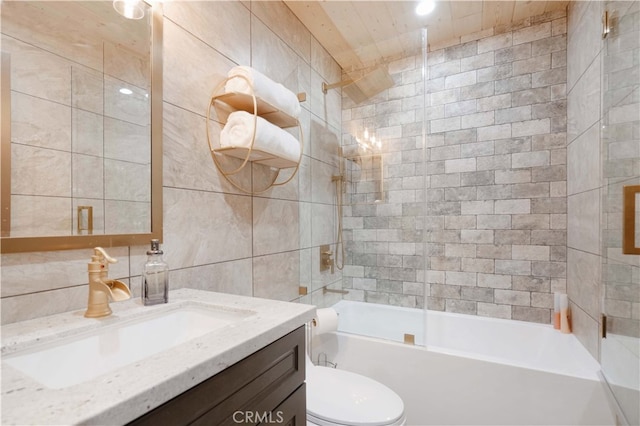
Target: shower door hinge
{"points": [[603, 323], [606, 28]]}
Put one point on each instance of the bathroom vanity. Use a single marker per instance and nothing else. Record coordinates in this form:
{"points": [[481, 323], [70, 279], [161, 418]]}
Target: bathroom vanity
{"points": [[217, 359]]}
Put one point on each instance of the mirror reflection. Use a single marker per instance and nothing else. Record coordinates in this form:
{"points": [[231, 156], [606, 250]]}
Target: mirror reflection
{"points": [[77, 80]]}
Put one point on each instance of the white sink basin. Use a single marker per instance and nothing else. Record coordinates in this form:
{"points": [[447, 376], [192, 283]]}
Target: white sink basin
{"points": [[85, 356]]}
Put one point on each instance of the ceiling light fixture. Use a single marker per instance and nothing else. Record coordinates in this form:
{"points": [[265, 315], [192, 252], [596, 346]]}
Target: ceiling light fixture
{"points": [[425, 7], [126, 91], [130, 9]]}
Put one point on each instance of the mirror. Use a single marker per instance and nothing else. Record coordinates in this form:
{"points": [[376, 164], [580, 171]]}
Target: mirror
{"points": [[81, 93]]}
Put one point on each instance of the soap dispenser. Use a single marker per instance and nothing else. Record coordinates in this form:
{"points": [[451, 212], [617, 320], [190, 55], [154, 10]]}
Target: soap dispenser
{"points": [[155, 277]]}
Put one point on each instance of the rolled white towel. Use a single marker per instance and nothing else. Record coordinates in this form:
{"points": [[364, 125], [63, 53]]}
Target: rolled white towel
{"points": [[238, 131], [264, 88]]}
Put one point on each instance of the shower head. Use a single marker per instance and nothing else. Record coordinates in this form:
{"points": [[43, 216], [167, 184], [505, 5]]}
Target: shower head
{"points": [[365, 86]]}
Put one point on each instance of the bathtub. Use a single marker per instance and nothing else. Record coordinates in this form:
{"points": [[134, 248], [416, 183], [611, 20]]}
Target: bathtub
{"points": [[473, 370]]}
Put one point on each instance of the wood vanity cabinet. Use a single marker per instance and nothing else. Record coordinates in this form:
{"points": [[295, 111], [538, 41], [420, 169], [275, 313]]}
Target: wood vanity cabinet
{"points": [[266, 387]]}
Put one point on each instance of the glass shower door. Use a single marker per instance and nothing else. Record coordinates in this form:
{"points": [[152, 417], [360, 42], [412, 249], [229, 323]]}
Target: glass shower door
{"points": [[383, 150], [620, 350]]}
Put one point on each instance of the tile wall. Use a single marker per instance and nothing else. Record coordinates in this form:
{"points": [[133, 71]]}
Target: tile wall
{"points": [[603, 152], [216, 238], [496, 175]]}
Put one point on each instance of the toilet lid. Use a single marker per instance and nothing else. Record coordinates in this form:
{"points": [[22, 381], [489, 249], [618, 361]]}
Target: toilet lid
{"points": [[346, 398]]}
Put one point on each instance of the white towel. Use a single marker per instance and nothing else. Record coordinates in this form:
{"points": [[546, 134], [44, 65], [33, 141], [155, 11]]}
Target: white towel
{"points": [[270, 138], [264, 88]]}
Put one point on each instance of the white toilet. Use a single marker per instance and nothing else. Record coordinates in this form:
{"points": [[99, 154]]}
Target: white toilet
{"points": [[338, 397]]}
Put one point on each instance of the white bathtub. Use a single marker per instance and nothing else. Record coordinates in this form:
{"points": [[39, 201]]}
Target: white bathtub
{"points": [[474, 370]]}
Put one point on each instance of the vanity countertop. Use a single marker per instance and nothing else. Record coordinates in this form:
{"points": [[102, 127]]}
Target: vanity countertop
{"points": [[128, 392]]}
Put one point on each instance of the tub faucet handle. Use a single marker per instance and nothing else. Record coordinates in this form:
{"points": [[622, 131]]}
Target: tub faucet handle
{"points": [[326, 259]]}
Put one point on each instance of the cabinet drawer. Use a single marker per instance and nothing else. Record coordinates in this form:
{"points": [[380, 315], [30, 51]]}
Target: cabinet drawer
{"points": [[258, 383]]}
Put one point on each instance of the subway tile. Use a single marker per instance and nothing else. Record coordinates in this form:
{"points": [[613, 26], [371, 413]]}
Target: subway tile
{"points": [[460, 165], [536, 284], [477, 178], [477, 149], [532, 33], [522, 206], [510, 115], [530, 159], [493, 251], [549, 45], [469, 236], [530, 252], [532, 65], [460, 108], [513, 176], [494, 221], [497, 72], [479, 90], [494, 162], [477, 294], [444, 69], [501, 131], [531, 96], [494, 281], [478, 61], [512, 297], [494, 310], [511, 145], [549, 78], [513, 84], [530, 221], [531, 314], [480, 119], [512, 237], [494, 102], [514, 53], [531, 127], [496, 42]]}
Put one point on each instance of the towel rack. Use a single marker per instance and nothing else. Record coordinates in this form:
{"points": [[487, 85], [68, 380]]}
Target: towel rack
{"points": [[259, 108]]}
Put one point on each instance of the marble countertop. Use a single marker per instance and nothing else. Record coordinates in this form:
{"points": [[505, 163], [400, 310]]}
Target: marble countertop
{"points": [[128, 392]]}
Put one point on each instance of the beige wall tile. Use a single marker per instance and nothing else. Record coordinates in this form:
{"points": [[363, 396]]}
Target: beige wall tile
{"points": [[583, 280], [229, 19], [286, 25], [127, 217], [87, 89], [133, 108], [126, 141], [196, 224], [583, 221], [88, 175], [87, 132], [127, 65], [183, 51], [187, 161], [36, 215], [227, 277], [39, 171], [27, 65], [277, 276], [38, 122], [127, 181], [276, 226]]}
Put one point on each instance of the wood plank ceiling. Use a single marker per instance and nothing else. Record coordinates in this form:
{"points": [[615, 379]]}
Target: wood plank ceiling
{"points": [[361, 33]]}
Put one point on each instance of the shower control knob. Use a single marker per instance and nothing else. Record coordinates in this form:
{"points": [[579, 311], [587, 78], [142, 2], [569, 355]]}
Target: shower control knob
{"points": [[326, 259]]}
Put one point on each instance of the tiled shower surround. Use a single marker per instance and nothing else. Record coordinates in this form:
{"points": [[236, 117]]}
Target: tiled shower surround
{"points": [[496, 206]]}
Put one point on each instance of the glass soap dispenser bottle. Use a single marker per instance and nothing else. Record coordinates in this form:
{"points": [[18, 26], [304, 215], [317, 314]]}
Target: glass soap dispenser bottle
{"points": [[155, 277]]}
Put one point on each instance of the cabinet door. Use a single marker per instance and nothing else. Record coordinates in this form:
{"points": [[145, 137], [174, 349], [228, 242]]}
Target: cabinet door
{"points": [[254, 386]]}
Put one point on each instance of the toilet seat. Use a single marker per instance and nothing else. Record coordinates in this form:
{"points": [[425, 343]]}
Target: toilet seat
{"points": [[338, 397]]}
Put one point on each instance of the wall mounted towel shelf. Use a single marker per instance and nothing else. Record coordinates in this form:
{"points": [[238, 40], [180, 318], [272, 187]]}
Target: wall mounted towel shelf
{"points": [[225, 104]]}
